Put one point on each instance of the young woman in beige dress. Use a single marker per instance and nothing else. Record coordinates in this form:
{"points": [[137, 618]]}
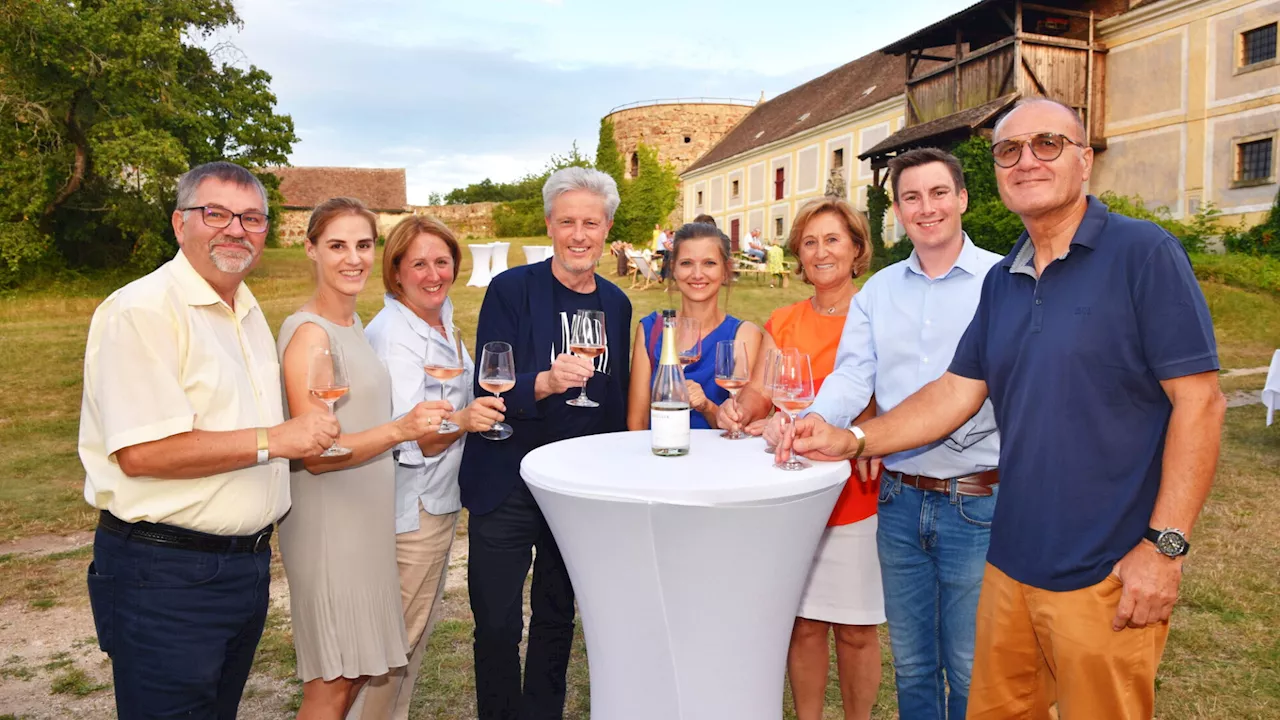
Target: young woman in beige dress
{"points": [[338, 541]]}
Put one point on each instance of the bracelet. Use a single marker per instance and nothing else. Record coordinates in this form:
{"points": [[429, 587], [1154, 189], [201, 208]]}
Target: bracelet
{"points": [[862, 440], [263, 446]]}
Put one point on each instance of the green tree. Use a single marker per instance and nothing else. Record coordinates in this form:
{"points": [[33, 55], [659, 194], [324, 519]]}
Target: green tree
{"points": [[647, 199], [608, 159], [522, 215], [103, 103]]}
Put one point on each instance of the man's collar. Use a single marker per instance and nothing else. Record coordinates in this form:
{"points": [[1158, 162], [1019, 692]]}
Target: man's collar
{"points": [[1087, 235], [967, 260], [197, 291]]}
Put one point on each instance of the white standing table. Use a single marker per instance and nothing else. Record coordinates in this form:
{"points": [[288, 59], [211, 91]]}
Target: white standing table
{"points": [[536, 253], [481, 255], [688, 571], [1271, 390], [498, 264]]}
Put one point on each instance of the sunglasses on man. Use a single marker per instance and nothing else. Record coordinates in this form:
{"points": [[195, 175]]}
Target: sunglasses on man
{"points": [[1046, 147]]}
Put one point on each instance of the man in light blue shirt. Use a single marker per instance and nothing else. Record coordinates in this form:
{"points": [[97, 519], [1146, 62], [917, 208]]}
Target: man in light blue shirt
{"points": [[936, 501]]}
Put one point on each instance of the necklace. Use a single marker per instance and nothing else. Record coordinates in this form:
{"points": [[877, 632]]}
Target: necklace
{"points": [[830, 310]]}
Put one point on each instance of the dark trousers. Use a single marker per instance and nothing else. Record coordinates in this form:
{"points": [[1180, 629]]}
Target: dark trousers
{"points": [[501, 551], [666, 264], [181, 626]]}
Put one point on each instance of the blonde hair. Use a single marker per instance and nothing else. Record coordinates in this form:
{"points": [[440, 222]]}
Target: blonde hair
{"points": [[403, 235], [854, 221]]}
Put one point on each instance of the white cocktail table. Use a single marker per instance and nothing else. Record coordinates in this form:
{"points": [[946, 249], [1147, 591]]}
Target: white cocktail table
{"points": [[498, 264], [481, 255], [688, 571], [536, 253], [1271, 390]]}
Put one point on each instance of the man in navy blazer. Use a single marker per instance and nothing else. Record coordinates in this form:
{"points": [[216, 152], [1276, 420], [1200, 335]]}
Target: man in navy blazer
{"points": [[532, 308]]}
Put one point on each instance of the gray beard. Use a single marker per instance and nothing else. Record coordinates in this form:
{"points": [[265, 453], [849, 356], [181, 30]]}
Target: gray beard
{"points": [[230, 265]]}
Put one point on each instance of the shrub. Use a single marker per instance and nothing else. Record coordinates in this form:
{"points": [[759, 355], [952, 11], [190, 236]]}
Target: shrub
{"points": [[1193, 233], [1261, 239], [877, 205]]}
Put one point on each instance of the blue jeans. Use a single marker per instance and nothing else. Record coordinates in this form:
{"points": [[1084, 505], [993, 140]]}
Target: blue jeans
{"points": [[181, 626], [933, 549]]}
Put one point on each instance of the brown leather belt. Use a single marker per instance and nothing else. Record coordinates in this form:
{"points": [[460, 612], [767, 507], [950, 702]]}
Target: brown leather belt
{"points": [[973, 485]]}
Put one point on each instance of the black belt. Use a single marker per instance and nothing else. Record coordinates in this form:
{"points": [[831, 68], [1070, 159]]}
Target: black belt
{"points": [[184, 539]]}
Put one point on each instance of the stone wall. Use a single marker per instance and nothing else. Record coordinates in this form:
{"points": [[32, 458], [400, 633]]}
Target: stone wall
{"points": [[681, 133], [466, 221]]}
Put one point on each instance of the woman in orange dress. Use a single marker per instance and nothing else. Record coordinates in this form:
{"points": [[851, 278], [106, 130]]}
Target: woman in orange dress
{"points": [[843, 594]]}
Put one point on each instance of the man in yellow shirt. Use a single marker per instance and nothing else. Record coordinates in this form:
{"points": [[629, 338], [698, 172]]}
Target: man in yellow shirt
{"points": [[186, 454]]}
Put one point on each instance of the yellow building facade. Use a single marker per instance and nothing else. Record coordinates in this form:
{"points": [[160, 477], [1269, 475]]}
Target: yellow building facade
{"points": [[790, 149], [1193, 106]]}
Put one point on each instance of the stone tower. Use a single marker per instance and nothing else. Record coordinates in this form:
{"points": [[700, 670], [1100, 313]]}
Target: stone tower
{"points": [[681, 129]]}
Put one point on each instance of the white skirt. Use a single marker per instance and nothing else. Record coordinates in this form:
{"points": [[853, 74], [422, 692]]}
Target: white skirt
{"points": [[844, 582]]}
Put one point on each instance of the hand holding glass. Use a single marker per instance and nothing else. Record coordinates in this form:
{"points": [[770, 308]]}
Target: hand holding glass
{"points": [[732, 373], [792, 392], [586, 340], [327, 381], [497, 375], [443, 362]]}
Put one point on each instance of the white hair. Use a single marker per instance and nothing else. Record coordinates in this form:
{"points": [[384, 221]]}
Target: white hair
{"points": [[579, 178]]}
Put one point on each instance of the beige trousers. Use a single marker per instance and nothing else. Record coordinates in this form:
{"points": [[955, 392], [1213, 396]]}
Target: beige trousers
{"points": [[423, 557]]}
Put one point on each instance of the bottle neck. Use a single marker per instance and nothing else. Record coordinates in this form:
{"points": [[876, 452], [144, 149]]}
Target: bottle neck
{"points": [[668, 356]]}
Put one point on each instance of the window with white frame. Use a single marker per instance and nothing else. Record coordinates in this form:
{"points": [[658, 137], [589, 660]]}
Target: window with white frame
{"points": [[1254, 161], [1258, 45]]}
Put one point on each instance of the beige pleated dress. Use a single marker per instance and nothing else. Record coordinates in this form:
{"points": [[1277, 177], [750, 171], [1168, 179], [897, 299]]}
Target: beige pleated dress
{"points": [[338, 541]]}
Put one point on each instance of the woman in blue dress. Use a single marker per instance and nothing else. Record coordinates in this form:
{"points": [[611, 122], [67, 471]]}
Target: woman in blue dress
{"points": [[700, 267]]}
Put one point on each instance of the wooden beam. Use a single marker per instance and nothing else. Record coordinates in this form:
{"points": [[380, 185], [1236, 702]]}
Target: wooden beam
{"points": [[1037, 39], [1088, 90], [1032, 74], [1056, 10], [992, 48], [957, 107], [913, 110], [1008, 20], [935, 58], [1017, 43]]}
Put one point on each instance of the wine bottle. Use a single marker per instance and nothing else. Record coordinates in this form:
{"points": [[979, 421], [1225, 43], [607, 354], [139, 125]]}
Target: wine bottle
{"points": [[669, 405]]}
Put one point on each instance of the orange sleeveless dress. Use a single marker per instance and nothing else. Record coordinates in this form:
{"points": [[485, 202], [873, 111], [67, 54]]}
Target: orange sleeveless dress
{"points": [[801, 327]]}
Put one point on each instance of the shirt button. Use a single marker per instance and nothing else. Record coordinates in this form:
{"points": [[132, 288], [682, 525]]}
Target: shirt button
{"points": [[927, 323], [1038, 301], [924, 359]]}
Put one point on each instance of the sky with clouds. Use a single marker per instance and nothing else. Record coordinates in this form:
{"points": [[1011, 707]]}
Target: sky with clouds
{"points": [[455, 92]]}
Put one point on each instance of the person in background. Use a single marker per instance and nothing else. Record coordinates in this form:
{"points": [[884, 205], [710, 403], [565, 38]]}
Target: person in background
{"points": [[419, 266], [936, 501], [338, 540], [662, 247], [186, 455], [701, 267], [532, 307], [843, 593], [755, 247], [1095, 344]]}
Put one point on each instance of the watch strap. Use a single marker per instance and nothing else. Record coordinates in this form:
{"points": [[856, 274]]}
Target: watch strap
{"points": [[264, 446]]}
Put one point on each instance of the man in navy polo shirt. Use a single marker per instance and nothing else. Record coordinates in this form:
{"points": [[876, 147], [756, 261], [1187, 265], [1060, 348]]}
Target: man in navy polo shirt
{"points": [[1095, 344]]}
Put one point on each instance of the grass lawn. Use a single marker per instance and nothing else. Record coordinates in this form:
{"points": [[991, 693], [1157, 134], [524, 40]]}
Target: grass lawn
{"points": [[1223, 658]]}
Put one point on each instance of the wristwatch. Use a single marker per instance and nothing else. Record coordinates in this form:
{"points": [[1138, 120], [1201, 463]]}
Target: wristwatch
{"points": [[862, 440], [1170, 542], [263, 447]]}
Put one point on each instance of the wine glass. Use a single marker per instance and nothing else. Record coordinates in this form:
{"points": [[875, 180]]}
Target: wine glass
{"points": [[688, 333], [770, 367], [444, 363], [733, 372], [586, 340], [792, 392], [327, 381], [497, 375]]}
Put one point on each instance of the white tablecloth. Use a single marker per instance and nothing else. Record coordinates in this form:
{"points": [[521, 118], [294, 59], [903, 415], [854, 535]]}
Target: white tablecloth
{"points": [[1271, 391], [481, 256], [687, 570], [499, 262], [536, 253]]}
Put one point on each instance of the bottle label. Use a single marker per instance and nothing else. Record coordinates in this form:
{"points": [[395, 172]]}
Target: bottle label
{"points": [[670, 428]]}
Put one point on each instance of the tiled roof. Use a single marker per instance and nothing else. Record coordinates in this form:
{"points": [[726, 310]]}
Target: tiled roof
{"points": [[849, 88], [307, 187], [919, 135]]}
